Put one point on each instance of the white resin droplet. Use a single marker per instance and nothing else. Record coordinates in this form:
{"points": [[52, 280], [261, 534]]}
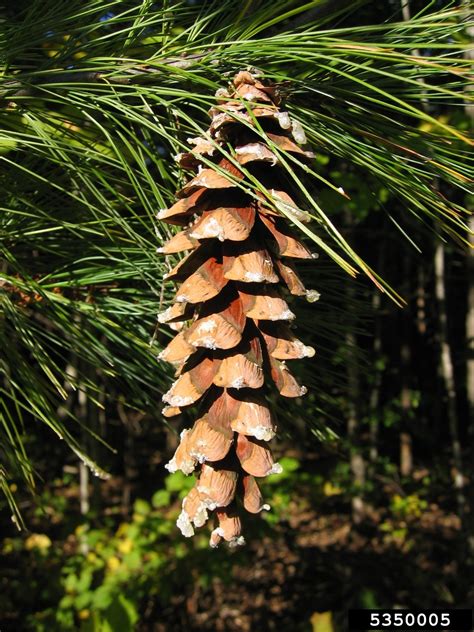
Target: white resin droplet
{"points": [[163, 316], [171, 466], [276, 468], [312, 296], [207, 326], [284, 120], [207, 343], [216, 537], [262, 433], [298, 133], [184, 525], [238, 383], [177, 400], [199, 456], [201, 516], [212, 228], [285, 315], [254, 277]]}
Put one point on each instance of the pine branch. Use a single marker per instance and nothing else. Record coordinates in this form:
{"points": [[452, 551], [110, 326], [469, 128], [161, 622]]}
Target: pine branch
{"points": [[66, 79]]}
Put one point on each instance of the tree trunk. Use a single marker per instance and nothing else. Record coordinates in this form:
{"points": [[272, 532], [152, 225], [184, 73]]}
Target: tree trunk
{"points": [[470, 328], [421, 303], [374, 399], [353, 431], [470, 375], [469, 108], [447, 373], [406, 452]]}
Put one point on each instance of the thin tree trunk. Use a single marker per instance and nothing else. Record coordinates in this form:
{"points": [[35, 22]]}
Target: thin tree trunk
{"points": [[374, 398], [84, 494], [421, 303], [129, 464], [470, 329], [406, 444], [88, 414], [354, 429], [469, 108], [469, 519], [406, 454], [447, 373]]}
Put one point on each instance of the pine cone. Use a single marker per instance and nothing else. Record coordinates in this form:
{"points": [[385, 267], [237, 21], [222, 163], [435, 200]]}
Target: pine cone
{"points": [[232, 320]]}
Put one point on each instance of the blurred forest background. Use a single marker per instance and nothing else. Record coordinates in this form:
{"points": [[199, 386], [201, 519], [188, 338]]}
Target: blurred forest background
{"points": [[373, 508]]}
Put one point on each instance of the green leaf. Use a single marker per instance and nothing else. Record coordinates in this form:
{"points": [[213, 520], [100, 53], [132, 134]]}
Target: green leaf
{"points": [[177, 482], [102, 597], [120, 615], [160, 498]]}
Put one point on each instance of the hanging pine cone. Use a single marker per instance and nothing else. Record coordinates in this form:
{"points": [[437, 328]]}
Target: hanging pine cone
{"points": [[232, 320]]}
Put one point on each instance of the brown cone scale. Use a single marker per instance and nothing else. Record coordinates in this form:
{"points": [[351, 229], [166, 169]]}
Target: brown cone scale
{"points": [[230, 308]]}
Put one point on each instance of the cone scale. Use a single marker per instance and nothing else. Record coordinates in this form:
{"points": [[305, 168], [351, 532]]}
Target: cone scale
{"points": [[230, 311]]}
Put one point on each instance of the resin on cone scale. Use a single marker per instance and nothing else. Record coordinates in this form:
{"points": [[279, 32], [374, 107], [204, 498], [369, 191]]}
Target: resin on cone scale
{"points": [[230, 309]]}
